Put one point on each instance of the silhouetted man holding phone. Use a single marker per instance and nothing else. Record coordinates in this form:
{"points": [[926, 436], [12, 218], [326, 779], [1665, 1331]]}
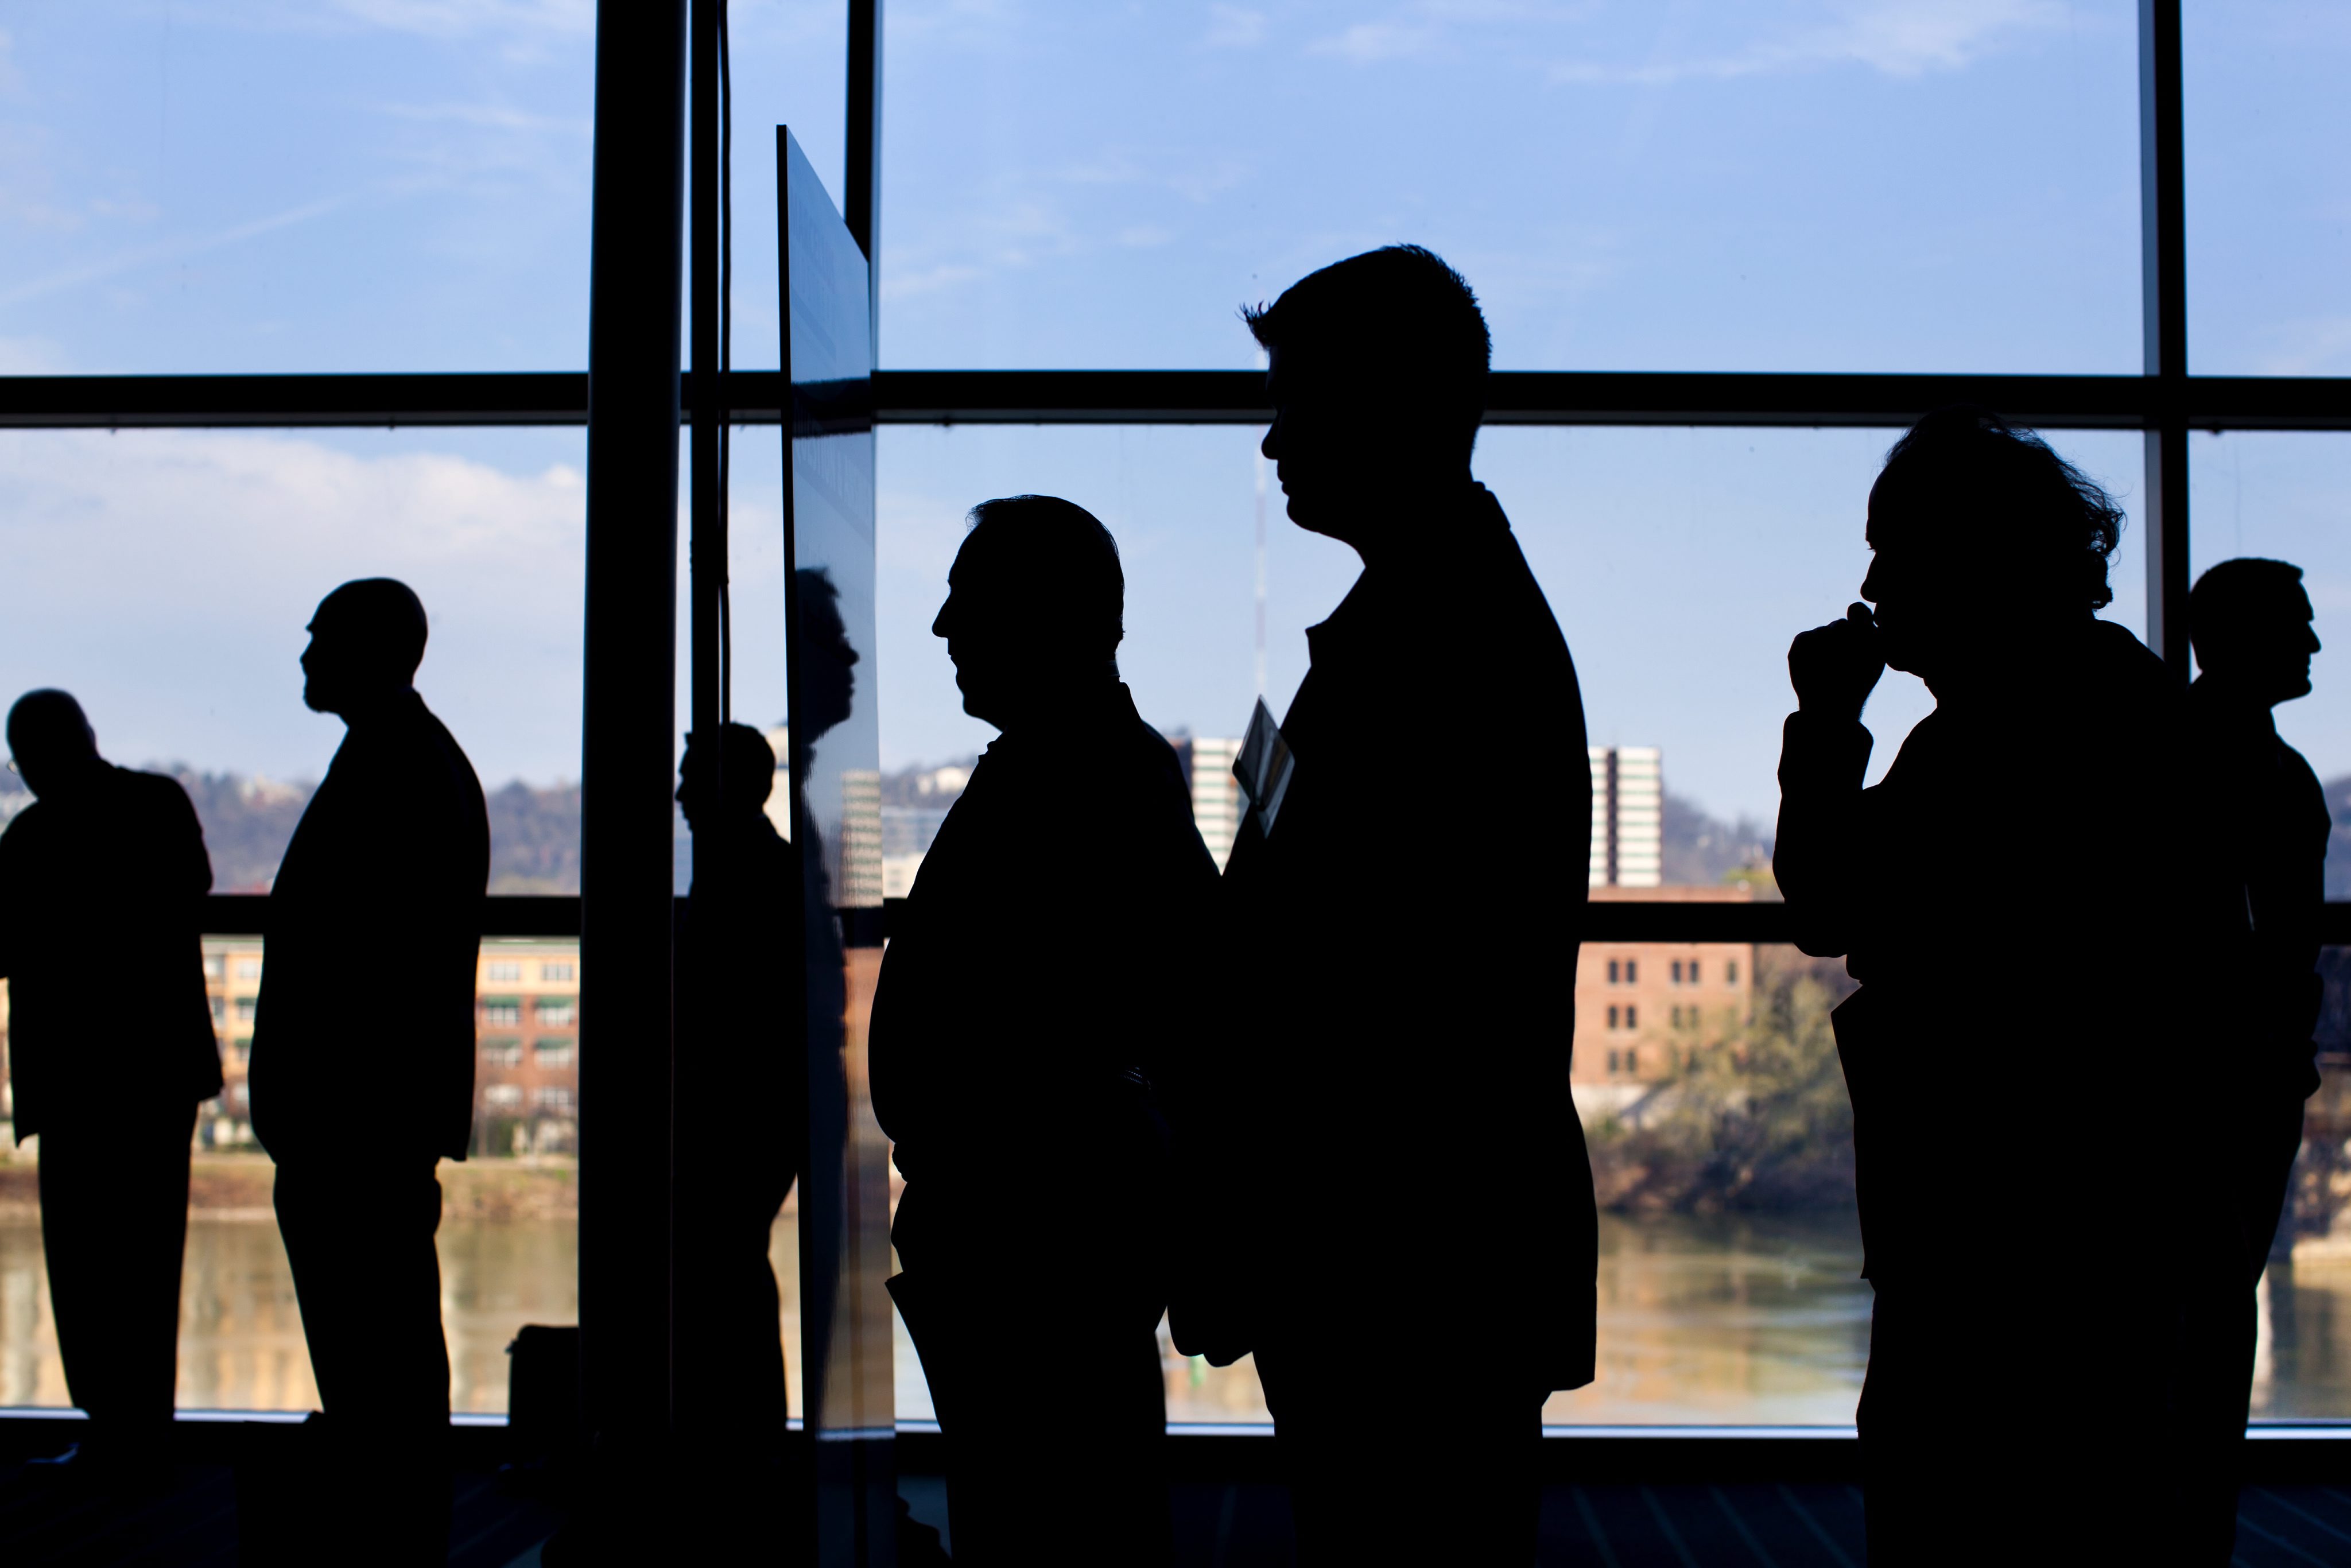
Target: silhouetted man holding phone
{"points": [[1395, 1178], [110, 1049], [362, 1070], [1040, 980], [2250, 621]]}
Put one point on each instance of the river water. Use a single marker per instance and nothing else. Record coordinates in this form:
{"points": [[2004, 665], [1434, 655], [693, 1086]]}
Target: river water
{"points": [[1749, 1319]]}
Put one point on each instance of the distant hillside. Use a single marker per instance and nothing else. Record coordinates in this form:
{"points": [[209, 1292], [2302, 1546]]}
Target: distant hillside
{"points": [[248, 822], [2338, 847], [1702, 851]]}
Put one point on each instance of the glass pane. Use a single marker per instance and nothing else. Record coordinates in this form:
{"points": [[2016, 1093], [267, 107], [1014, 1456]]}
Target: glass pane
{"points": [[1794, 186], [2281, 493], [1680, 563], [165, 578], [286, 187], [2301, 1360], [789, 60], [509, 1218], [2269, 202]]}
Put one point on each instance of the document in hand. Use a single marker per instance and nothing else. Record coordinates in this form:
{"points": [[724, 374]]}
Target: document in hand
{"points": [[1264, 767]]}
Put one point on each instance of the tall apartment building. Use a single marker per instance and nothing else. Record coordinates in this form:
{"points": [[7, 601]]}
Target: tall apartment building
{"points": [[1628, 806], [1216, 794]]}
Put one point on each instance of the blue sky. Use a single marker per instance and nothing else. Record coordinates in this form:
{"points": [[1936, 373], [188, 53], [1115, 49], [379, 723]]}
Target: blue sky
{"points": [[1808, 184]]}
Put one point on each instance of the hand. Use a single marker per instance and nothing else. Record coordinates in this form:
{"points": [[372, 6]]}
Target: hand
{"points": [[1835, 667]]}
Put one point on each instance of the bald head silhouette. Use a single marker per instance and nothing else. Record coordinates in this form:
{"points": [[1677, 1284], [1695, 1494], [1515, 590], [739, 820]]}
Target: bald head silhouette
{"points": [[50, 740], [1036, 607], [367, 638]]}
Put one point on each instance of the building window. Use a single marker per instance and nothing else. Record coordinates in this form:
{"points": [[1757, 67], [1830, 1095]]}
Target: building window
{"points": [[243, 1046], [553, 1098], [1631, 1015], [1612, 971], [502, 1052], [1677, 1018], [555, 1012], [215, 966], [1612, 1022], [1677, 971], [552, 1053], [1730, 973], [1611, 1061], [502, 1010], [502, 1094], [1633, 1060], [1632, 971], [248, 969], [245, 1007], [239, 1093], [505, 969], [555, 974], [220, 1007]]}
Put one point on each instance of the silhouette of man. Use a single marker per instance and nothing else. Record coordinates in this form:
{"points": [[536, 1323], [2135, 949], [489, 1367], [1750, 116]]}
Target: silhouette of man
{"points": [[2268, 825], [1013, 1047], [110, 1049], [742, 1093], [2026, 960], [363, 1068], [1403, 1177]]}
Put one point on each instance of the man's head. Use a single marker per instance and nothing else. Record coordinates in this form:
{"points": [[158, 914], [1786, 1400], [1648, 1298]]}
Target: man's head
{"points": [[366, 640], [1978, 529], [1378, 379], [824, 689], [1036, 605], [50, 743], [2248, 621], [749, 765]]}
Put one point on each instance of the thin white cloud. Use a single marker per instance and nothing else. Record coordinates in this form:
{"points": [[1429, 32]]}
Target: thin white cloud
{"points": [[136, 256], [2314, 346], [1896, 38], [1235, 27], [1366, 43], [166, 575], [474, 18]]}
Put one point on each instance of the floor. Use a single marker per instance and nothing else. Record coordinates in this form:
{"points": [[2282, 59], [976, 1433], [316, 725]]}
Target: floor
{"points": [[188, 1515]]}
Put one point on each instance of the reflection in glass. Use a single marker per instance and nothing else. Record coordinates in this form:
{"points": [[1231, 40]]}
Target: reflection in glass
{"points": [[834, 768]]}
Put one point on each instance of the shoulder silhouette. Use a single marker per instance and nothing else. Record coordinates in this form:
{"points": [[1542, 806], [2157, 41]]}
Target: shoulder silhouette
{"points": [[1069, 862], [101, 886]]}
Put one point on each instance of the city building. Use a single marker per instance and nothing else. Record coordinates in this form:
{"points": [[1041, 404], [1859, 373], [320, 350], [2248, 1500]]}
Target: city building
{"points": [[1641, 1006], [1628, 801], [527, 1031], [1215, 793]]}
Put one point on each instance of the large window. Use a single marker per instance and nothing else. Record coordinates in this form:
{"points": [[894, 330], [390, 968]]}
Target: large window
{"points": [[1862, 211]]}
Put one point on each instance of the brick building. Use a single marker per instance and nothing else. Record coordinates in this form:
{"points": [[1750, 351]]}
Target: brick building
{"points": [[1640, 1006], [527, 1031]]}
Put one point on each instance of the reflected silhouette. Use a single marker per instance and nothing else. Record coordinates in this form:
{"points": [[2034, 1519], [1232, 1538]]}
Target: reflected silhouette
{"points": [[1383, 1072], [2268, 825], [2027, 970], [1032, 1227], [390, 860], [110, 1049], [742, 1093]]}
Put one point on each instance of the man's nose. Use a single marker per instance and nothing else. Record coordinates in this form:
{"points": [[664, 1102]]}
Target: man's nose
{"points": [[1271, 445]]}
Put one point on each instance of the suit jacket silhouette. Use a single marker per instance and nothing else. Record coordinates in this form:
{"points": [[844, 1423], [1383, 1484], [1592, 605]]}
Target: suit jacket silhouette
{"points": [[1404, 1144], [364, 1035], [2270, 828], [740, 975], [2027, 950], [102, 913], [1008, 1043]]}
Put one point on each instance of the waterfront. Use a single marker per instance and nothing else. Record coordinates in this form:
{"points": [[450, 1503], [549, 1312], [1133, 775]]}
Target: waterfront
{"points": [[1738, 1320]]}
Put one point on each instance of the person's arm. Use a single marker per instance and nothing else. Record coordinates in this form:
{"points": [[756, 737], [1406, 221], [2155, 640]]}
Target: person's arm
{"points": [[1824, 754]]}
